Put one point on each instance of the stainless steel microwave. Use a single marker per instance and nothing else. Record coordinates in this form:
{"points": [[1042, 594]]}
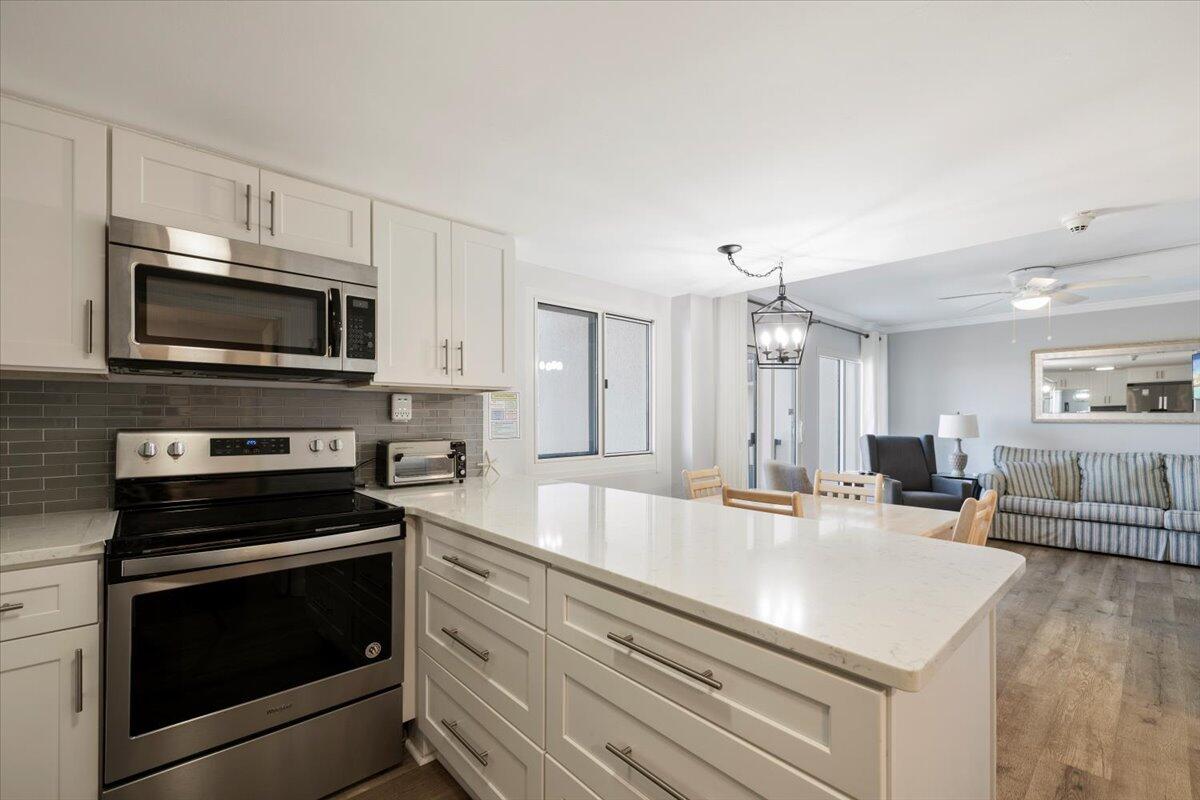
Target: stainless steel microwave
{"points": [[187, 303]]}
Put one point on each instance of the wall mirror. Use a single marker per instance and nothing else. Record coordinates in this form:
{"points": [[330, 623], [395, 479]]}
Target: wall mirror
{"points": [[1152, 382]]}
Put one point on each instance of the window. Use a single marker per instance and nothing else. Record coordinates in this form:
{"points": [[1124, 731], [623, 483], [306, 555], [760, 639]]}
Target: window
{"points": [[838, 391], [594, 383]]}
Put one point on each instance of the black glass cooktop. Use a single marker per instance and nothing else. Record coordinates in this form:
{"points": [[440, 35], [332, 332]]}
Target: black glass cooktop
{"points": [[250, 521]]}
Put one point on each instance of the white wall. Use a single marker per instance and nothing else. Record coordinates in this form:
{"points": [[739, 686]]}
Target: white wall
{"points": [[651, 473], [977, 369]]}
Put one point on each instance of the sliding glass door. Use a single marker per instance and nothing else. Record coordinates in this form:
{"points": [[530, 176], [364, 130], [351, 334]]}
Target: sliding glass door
{"points": [[839, 389]]}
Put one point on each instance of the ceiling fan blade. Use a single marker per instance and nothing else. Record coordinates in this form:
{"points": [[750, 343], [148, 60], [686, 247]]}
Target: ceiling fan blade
{"points": [[985, 305], [973, 294], [1127, 255], [1067, 298], [1106, 282]]}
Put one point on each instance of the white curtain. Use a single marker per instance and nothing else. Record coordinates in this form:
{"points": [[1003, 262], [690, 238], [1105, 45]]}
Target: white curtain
{"points": [[874, 397], [732, 338]]}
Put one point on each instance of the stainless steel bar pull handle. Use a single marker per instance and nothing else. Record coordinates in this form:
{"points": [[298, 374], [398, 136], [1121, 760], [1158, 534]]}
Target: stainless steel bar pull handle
{"points": [[445, 356], [482, 655], [91, 335], [483, 573], [11, 607], [705, 677], [626, 755], [271, 228], [247, 206], [480, 755], [462, 357], [78, 681]]}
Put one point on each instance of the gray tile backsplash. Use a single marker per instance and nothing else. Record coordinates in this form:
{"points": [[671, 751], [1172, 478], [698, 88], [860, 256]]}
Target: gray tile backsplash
{"points": [[56, 436]]}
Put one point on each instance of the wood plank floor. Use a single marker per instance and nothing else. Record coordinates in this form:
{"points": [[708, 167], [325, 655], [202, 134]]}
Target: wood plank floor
{"points": [[1098, 680]]}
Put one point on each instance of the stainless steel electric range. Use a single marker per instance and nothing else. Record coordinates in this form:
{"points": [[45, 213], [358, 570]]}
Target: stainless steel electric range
{"points": [[254, 615]]}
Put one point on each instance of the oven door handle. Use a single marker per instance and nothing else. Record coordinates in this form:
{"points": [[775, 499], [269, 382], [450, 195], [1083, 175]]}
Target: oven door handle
{"points": [[183, 562], [335, 323]]}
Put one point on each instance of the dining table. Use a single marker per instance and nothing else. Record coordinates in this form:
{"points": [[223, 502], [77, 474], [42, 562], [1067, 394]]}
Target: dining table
{"points": [[928, 522]]}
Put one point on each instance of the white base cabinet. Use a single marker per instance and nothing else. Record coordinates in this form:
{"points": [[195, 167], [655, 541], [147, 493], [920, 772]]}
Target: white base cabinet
{"points": [[50, 716]]}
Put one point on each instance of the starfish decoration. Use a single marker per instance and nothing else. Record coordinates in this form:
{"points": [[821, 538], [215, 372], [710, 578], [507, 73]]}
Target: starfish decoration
{"points": [[488, 464]]}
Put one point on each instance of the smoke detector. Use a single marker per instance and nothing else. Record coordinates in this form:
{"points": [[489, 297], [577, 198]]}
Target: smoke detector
{"points": [[1078, 222]]}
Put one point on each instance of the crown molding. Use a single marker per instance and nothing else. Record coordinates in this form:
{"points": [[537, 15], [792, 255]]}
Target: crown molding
{"points": [[1082, 308]]}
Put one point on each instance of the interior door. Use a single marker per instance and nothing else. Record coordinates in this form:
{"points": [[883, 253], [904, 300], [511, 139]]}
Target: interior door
{"points": [[412, 253], [483, 281], [157, 181], [310, 218], [52, 243]]}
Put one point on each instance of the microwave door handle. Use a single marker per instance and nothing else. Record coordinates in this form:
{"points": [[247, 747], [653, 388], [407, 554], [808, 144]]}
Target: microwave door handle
{"points": [[335, 323]]}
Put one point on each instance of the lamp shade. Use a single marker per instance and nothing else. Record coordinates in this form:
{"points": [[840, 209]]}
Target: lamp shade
{"points": [[958, 426]]}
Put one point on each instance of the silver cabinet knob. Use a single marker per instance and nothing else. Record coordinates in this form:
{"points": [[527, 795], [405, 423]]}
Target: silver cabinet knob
{"points": [[176, 449], [316, 445], [148, 450], [335, 444]]}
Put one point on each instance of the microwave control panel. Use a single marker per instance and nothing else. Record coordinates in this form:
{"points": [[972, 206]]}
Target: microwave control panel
{"points": [[360, 327]]}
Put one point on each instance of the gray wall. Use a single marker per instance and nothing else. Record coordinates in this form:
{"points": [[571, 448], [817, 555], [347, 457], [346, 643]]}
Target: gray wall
{"points": [[56, 436], [977, 369]]}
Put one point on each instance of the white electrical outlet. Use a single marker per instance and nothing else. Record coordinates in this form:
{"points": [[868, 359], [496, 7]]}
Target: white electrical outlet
{"points": [[402, 408]]}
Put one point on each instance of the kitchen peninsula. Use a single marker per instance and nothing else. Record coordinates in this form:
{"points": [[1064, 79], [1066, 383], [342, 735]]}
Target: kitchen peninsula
{"points": [[579, 641]]}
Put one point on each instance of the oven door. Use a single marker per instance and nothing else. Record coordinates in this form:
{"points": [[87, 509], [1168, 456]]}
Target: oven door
{"points": [[416, 467], [167, 307], [201, 658]]}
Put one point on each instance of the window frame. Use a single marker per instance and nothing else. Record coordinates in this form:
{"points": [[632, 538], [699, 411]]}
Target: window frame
{"points": [[602, 316]]}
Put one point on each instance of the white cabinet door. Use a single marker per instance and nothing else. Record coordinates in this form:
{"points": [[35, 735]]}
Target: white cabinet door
{"points": [[169, 184], [50, 716], [484, 271], [311, 218], [412, 253], [52, 243]]}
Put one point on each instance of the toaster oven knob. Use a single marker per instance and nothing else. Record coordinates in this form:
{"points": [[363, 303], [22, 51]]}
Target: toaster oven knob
{"points": [[176, 449], [335, 444], [148, 450], [316, 445]]}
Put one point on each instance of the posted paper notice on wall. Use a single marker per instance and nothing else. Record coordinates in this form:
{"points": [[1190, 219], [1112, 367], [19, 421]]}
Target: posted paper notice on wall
{"points": [[504, 415]]}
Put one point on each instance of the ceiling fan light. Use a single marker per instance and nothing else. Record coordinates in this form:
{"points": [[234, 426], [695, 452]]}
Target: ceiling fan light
{"points": [[1031, 303], [1105, 369]]}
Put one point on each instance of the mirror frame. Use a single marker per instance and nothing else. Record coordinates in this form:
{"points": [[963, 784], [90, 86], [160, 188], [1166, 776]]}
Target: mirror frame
{"points": [[1038, 359]]}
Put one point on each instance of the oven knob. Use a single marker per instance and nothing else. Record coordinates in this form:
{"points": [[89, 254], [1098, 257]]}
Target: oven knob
{"points": [[335, 444], [148, 450], [176, 449], [316, 445]]}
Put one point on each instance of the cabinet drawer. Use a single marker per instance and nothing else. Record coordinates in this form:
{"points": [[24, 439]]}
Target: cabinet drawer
{"points": [[562, 785], [828, 726], [515, 583], [487, 753], [599, 724], [44, 599], [497, 656]]}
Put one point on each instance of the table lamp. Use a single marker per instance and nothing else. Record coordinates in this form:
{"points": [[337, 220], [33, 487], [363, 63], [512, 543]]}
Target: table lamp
{"points": [[958, 427]]}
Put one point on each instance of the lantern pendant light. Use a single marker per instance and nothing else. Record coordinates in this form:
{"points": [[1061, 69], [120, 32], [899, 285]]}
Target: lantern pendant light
{"points": [[780, 326]]}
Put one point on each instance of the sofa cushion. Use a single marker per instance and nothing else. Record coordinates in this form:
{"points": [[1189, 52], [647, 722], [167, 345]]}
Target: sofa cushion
{"points": [[1029, 479], [1145, 516], [1183, 481], [1177, 520], [946, 502], [1036, 506], [1064, 465], [1132, 479]]}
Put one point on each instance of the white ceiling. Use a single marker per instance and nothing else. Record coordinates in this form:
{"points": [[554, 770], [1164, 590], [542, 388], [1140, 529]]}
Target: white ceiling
{"points": [[905, 293], [626, 140]]}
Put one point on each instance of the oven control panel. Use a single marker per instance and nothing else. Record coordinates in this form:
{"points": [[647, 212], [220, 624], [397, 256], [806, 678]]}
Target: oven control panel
{"points": [[253, 446], [360, 327], [195, 453]]}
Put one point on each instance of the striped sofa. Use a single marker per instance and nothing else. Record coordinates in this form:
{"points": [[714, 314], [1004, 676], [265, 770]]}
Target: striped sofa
{"points": [[1145, 505]]}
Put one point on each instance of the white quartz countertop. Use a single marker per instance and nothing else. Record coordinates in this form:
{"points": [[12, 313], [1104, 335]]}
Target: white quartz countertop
{"points": [[887, 607], [65, 536]]}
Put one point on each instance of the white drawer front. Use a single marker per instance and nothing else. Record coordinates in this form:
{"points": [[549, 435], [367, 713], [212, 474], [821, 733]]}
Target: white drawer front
{"points": [[496, 655], [466, 733], [590, 708], [44, 599], [515, 583], [562, 785], [826, 725]]}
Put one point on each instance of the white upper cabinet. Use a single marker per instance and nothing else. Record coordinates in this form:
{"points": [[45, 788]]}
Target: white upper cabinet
{"points": [[412, 253], [299, 215], [169, 184], [483, 280], [53, 203]]}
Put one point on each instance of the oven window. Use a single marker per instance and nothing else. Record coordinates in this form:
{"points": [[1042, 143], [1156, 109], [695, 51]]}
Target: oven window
{"points": [[190, 309], [207, 647]]}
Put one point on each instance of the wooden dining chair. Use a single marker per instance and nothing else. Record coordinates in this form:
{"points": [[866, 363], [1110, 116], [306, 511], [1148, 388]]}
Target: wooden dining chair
{"points": [[975, 518], [788, 504], [849, 486], [702, 482]]}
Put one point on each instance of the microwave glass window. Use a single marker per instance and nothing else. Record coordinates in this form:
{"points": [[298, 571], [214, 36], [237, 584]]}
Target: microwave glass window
{"points": [[195, 310]]}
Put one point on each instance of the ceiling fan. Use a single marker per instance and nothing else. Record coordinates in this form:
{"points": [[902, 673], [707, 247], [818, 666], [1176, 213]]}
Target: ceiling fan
{"points": [[1035, 287]]}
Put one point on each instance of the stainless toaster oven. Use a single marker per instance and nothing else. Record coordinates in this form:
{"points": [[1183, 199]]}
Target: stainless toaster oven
{"points": [[407, 463]]}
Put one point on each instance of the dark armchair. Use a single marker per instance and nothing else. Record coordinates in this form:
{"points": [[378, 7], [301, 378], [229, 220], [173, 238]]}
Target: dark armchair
{"points": [[909, 463]]}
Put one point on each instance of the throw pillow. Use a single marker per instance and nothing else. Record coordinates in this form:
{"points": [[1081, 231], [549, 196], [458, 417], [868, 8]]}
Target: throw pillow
{"points": [[1183, 479], [1131, 479], [1029, 479]]}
